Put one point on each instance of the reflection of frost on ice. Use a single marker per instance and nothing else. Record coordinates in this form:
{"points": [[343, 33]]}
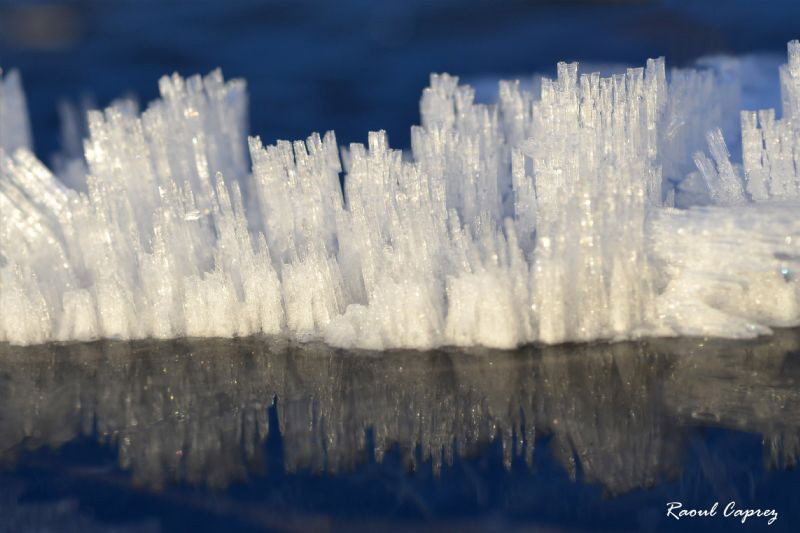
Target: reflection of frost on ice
{"points": [[573, 212], [203, 419]]}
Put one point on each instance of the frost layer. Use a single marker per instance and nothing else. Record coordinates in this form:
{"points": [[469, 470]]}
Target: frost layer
{"points": [[593, 208]]}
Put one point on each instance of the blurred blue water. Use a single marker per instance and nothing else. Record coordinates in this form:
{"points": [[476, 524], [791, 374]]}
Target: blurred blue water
{"points": [[354, 65]]}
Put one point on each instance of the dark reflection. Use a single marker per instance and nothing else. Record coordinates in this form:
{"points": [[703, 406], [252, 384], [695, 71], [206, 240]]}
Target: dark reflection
{"points": [[198, 411]]}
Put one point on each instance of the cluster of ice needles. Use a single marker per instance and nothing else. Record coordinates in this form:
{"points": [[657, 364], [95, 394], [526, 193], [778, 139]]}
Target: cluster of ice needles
{"points": [[589, 208]]}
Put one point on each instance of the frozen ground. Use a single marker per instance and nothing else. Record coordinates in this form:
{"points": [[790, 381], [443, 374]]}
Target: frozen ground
{"points": [[581, 208]]}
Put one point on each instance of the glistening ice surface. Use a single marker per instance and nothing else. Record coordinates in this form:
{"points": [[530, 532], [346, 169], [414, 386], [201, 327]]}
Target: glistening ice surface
{"points": [[585, 207], [305, 437]]}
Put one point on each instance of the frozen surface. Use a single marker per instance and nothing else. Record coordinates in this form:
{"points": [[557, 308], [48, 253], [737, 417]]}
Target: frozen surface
{"points": [[589, 207], [677, 418]]}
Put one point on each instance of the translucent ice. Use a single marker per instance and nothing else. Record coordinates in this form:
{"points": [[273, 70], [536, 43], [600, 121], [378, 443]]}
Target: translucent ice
{"points": [[770, 145], [14, 129], [592, 208]]}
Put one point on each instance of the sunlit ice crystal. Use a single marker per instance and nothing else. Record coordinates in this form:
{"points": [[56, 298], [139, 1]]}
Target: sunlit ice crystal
{"points": [[14, 128], [589, 208]]}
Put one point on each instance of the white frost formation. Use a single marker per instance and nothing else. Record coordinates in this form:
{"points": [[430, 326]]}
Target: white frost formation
{"points": [[586, 211]]}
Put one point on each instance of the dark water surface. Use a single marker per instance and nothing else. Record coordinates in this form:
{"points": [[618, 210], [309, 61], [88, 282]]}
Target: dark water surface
{"points": [[255, 434]]}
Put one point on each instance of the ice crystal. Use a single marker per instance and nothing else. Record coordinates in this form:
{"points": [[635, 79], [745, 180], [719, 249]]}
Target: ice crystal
{"points": [[587, 209]]}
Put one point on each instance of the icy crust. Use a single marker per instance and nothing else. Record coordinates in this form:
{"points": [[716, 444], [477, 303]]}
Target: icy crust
{"points": [[592, 208]]}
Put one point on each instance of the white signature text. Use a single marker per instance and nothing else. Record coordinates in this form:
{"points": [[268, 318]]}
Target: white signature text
{"points": [[677, 511]]}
